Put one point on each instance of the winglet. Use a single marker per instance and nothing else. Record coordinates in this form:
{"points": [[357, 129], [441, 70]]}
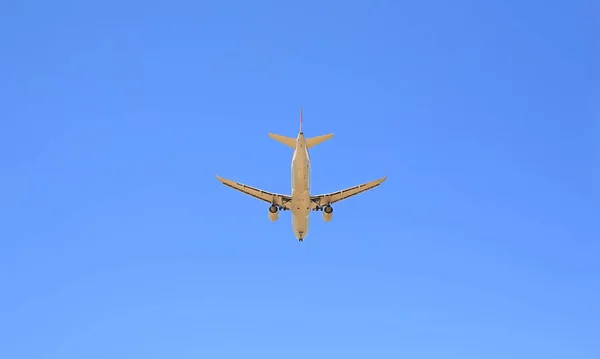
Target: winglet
{"points": [[222, 180], [300, 119]]}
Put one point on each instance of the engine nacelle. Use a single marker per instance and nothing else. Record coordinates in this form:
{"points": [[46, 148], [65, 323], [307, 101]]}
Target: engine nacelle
{"points": [[273, 213], [327, 213]]}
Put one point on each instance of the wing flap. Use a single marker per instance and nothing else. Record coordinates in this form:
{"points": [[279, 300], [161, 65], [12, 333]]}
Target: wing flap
{"points": [[275, 198], [329, 198]]}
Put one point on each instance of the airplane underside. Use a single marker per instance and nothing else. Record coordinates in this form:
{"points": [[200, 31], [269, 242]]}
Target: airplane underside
{"points": [[301, 203]]}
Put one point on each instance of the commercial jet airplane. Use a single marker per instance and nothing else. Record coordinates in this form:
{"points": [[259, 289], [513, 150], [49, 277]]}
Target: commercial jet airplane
{"points": [[300, 202]]}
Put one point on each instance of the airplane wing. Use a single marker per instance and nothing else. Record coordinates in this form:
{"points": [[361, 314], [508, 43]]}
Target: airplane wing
{"points": [[280, 200], [317, 202]]}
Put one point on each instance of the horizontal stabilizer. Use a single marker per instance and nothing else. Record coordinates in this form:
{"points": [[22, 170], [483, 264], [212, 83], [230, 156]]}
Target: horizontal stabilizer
{"points": [[284, 139], [313, 141]]}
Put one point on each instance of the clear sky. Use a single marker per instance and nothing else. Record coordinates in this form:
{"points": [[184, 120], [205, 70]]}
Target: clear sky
{"points": [[117, 240]]}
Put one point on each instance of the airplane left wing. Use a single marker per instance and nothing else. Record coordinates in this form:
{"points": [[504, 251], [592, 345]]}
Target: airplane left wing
{"points": [[281, 200], [322, 200]]}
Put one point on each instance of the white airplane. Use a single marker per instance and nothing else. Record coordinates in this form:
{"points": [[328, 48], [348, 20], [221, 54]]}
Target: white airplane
{"points": [[300, 202]]}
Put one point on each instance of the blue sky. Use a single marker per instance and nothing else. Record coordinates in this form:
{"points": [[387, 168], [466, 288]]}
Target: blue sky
{"points": [[117, 241]]}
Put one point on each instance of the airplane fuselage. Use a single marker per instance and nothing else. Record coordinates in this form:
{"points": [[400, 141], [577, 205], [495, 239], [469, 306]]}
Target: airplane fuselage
{"points": [[300, 205]]}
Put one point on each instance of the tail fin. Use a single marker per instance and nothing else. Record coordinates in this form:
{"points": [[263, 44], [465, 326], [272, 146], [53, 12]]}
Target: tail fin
{"points": [[313, 141], [284, 139], [310, 142]]}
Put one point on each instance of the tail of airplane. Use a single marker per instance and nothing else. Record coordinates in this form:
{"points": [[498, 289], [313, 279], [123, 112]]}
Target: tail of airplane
{"points": [[284, 139], [310, 142], [313, 141]]}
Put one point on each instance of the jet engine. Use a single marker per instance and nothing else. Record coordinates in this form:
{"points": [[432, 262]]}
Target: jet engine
{"points": [[273, 213], [327, 213]]}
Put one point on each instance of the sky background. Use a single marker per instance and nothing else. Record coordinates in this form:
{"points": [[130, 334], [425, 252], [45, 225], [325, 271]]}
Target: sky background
{"points": [[117, 240]]}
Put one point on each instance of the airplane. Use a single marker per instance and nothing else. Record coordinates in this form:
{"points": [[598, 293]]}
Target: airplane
{"points": [[300, 202]]}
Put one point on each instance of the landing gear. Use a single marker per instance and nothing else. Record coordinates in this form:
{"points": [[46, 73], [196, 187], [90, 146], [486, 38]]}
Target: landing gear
{"points": [[300, 240]]}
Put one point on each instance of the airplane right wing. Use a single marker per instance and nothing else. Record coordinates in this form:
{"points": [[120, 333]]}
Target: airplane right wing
{"points": [[322, 200], [281, 200]]}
